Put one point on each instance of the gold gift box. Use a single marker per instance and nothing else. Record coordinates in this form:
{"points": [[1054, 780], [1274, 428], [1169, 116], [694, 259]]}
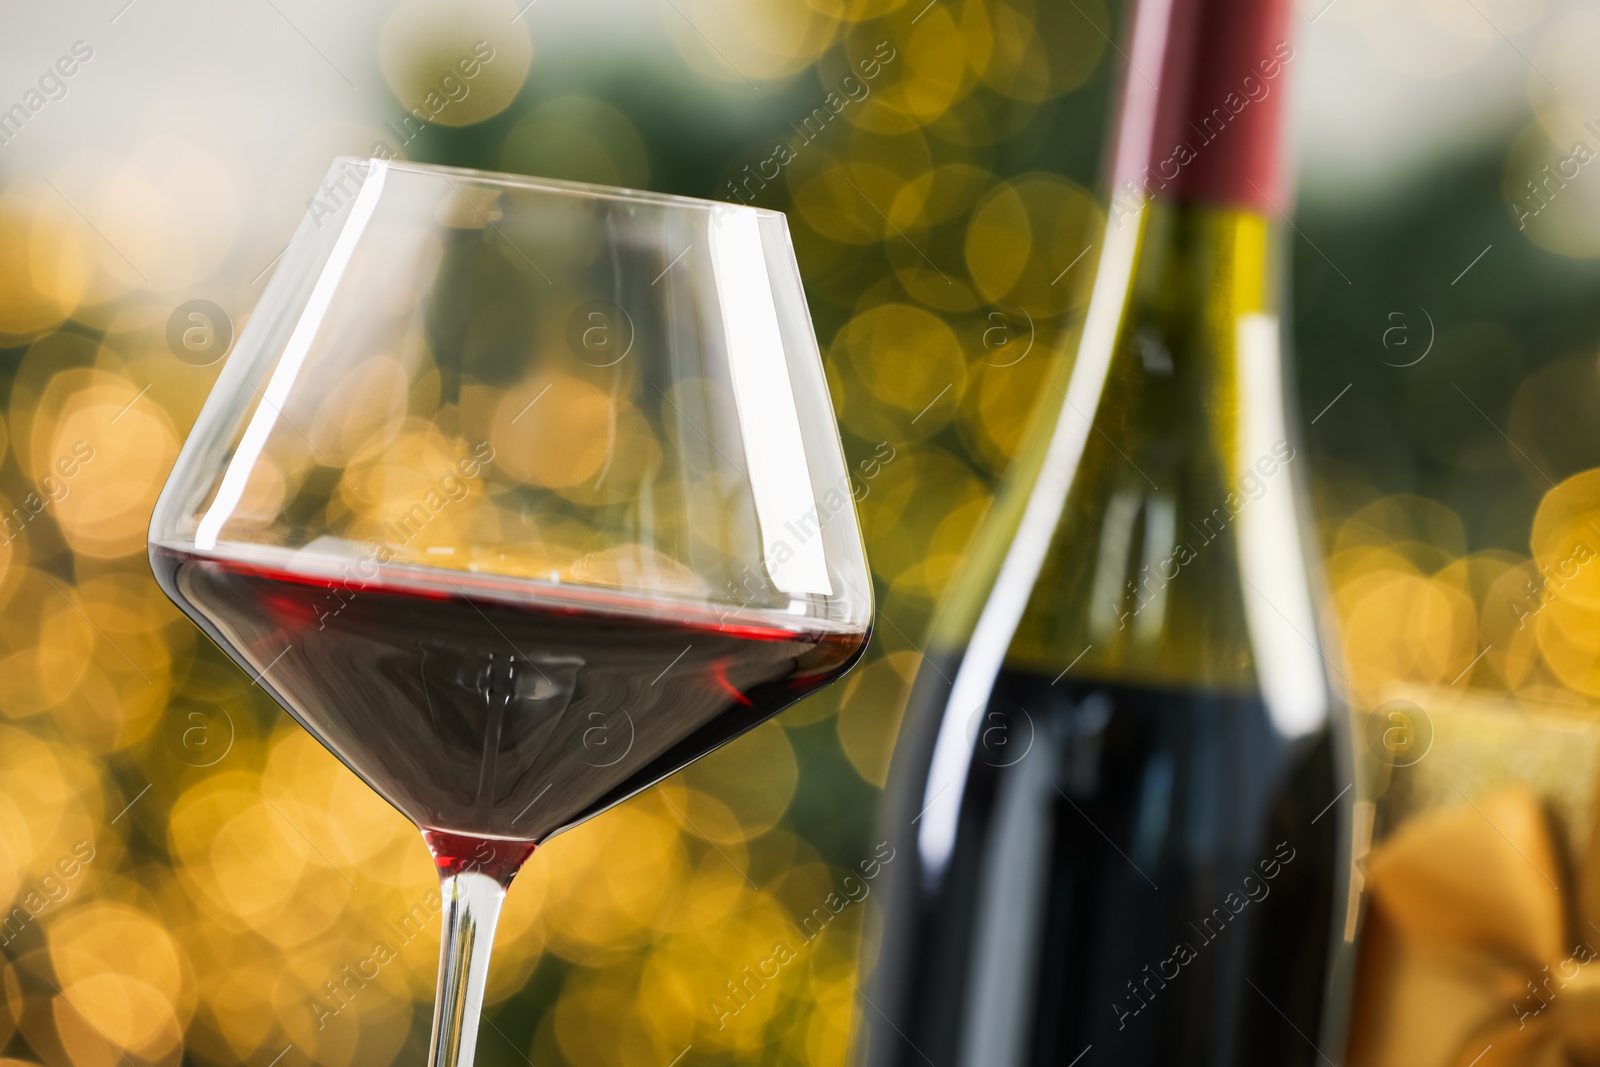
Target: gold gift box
{"points": [[1482, 885]]}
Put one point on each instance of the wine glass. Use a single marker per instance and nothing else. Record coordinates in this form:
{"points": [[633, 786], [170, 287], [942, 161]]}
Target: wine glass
{"points": [[519, 495]]}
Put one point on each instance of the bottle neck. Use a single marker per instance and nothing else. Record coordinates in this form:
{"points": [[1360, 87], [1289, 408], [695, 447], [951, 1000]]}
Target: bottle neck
{"points": [[1202, 104]]}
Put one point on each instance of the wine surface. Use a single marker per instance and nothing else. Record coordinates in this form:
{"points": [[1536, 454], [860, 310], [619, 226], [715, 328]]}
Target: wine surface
{"points": [[481, 712], [1147, 872]]}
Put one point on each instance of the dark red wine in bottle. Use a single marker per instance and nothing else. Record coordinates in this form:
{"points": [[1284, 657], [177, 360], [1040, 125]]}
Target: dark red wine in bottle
{"points": [[1121, 798], [487, 714]]}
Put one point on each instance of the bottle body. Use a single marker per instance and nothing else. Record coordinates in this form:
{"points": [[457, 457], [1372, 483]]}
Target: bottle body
{"points": [[1121, 782], [1121, 886]]}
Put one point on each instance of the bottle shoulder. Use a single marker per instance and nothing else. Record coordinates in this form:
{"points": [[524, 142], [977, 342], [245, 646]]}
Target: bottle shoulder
{"points": [[1175, 552]]}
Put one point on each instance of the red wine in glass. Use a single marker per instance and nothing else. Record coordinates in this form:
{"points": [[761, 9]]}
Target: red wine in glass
{"points": [[483, 712]]}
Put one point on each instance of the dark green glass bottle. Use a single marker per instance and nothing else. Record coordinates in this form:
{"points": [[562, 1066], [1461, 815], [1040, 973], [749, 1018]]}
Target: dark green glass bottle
{"points": [[1121, 799]]}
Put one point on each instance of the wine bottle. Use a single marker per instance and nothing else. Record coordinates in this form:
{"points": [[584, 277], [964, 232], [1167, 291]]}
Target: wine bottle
{"points": [[1121, 798]]}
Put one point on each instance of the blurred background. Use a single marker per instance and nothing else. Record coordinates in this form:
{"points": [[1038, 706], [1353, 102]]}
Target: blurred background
{"points": [[191, 878]]}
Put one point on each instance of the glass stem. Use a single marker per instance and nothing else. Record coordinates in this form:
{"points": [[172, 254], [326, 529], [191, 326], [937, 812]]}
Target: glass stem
{"points": [[471, 909]]}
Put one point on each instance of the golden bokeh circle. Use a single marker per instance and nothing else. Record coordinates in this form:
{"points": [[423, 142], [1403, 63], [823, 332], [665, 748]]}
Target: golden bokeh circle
{"points": [[737, 41], [907, 358], [1023, 237], [577, 138], [454, 63], [47, 258]]}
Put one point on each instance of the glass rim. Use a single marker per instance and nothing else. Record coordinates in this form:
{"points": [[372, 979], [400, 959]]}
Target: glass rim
{"points": [[509, 588], [559, 185]]}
